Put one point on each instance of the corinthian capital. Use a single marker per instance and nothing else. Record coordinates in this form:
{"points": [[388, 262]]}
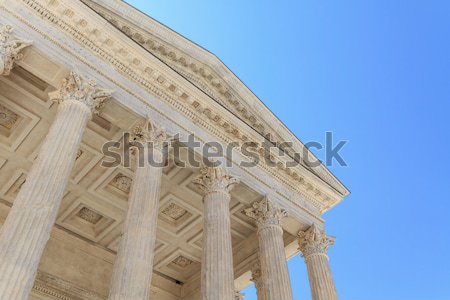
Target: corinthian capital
{"points": [[255, 269], [10, 49], [215, 179], [314, 241], [75, 87], [238, 296], [265, 212], [147, 132]]}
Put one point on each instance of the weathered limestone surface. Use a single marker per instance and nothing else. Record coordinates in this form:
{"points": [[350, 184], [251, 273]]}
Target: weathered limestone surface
{"points": [[239, 296], [274, 271], [314, 245], [27, 228], [138, 56], [217, 261], [257, 280], [10, 49], [133, 269]]}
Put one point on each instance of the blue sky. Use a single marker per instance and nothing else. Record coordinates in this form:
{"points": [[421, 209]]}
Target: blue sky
{"points": [[375, 73]]}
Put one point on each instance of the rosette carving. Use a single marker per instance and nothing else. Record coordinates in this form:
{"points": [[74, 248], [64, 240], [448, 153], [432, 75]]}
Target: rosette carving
{"points": [[75, 87], [314, 241], [265, 212], [215, 179], [10, 49]]}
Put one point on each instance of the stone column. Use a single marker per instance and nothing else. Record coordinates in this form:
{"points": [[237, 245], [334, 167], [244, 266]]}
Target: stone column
{"points": [[314, 244], [10, 49], [217, 281], [133, 268], [274, 271], [257, 280], [27, 228], [238, 296]]}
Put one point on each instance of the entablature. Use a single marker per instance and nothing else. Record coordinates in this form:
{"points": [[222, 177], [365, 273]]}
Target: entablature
{"points": [[137, 75]]}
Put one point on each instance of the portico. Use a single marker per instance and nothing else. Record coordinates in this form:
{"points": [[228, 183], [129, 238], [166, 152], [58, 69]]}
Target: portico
{"points": [[78, 74]]}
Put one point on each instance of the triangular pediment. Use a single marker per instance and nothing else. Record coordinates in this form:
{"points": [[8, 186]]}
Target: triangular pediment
{"points": [[207, 73]]}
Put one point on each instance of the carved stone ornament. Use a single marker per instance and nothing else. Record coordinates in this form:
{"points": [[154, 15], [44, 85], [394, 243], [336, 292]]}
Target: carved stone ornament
{"points": [[7, 117], [75, 87], [314, 241], [265, 212], [215, 179], [182, 261], [256, 272], [239, 296], [89, 215], [58, 288], [174, 211], [147, 132], [10, 49], [122, 182]]}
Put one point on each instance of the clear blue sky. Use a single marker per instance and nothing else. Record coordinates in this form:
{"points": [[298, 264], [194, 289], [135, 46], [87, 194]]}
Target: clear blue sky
{"points": [[376, 73]]}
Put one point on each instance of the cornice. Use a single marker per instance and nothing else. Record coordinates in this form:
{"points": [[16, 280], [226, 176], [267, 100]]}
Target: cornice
{"points": [[100, 38], [206, 71]]}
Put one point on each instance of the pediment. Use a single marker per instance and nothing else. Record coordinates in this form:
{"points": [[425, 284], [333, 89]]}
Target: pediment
{"points": [[205, 72]]}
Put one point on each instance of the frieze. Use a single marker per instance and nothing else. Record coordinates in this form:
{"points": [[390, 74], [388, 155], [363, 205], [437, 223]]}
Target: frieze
{"points": [[200, 73], [166, 90], [61, 289]]}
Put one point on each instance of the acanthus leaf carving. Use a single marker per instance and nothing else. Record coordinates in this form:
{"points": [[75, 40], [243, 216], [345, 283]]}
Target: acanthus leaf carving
{"points": [[265, 212], [10, 49], [322, 203], [215, 179], [238, 295], [314, 241], [76, 88], [147, 132]]}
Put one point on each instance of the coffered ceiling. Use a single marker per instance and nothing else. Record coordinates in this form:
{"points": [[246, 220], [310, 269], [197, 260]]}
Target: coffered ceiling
{"points": [[95, 203]]}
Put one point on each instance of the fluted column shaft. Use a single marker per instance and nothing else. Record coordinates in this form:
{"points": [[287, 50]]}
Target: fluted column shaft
{"points": [[27, 228], [272, 257], [274, 270], [314, 245], [320, 279], [133, 268], [217, 259], [217, 275]]}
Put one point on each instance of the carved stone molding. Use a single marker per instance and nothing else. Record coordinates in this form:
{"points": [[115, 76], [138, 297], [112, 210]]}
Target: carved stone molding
{"points": [[58, 288], [265, 212], [194, 68], [137, 68], [10, 49], [199, 72], [76, 88], [314, 241], [215, 179]]}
